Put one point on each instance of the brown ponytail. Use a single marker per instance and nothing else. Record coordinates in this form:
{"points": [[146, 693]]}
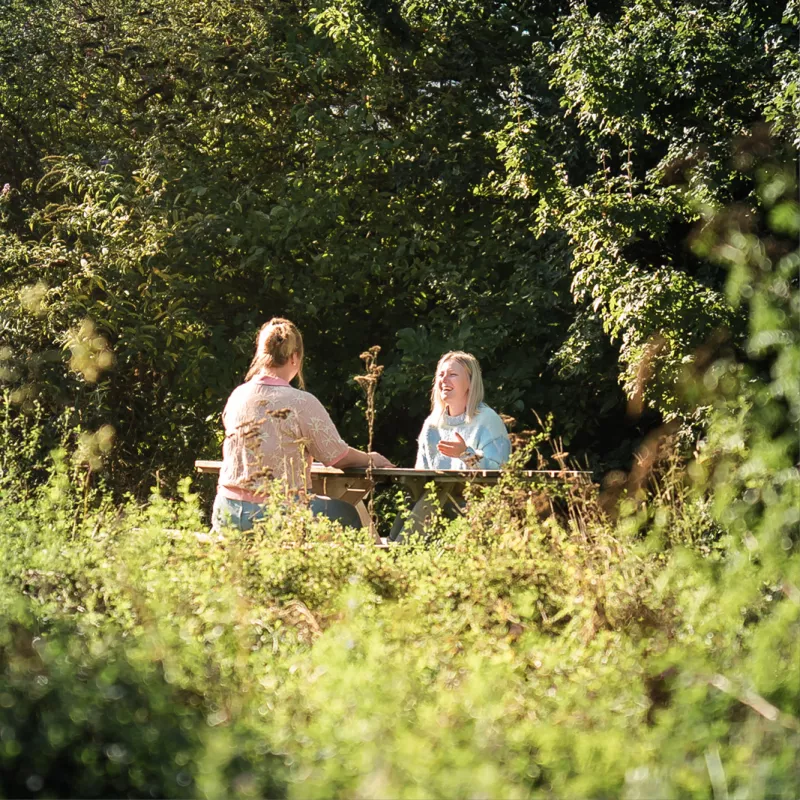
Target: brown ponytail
{"points": [[277, 341]]}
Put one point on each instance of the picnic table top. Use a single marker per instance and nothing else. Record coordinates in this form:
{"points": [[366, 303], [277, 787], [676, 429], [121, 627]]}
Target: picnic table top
{"points": [[213, 467]]}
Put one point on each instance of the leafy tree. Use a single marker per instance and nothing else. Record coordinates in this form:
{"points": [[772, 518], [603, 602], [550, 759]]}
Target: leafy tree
{"points": [[657, 97]]}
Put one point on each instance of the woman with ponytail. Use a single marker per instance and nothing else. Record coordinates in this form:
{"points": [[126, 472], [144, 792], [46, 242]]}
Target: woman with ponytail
{"points": [[274, 431]]}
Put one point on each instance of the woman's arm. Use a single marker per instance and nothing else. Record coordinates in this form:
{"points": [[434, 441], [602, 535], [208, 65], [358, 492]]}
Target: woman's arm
{"points": [[325, 443], [492, 456], [358, 458], [485, 456]]}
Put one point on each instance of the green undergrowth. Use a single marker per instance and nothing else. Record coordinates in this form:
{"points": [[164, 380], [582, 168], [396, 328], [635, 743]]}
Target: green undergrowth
{"points": [[519, 654]]}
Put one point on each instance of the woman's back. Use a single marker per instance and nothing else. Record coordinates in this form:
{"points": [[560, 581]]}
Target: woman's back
{"points": [[272, 432]]}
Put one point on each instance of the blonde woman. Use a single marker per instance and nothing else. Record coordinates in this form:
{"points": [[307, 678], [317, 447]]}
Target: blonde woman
{"points": [[461, 432], [272, 433]]}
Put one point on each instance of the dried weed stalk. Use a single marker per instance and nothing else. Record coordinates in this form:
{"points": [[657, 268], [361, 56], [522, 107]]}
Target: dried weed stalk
{"points": [[369, 382]]}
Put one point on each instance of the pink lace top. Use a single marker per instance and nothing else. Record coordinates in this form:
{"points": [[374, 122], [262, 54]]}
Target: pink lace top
{"points": [[273, 432]]}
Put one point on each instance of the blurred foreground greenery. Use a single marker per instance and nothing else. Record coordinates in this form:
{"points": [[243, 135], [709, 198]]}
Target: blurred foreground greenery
{"points": [[653, 656]]}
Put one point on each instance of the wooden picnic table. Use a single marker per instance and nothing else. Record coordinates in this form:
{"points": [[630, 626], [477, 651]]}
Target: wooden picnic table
{"points": [[352, 484]]}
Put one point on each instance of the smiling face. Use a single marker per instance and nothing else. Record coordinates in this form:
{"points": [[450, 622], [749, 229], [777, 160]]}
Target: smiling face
{"points": [[452, 382]]}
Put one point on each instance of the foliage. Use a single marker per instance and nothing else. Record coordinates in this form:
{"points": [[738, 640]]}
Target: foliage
{"points": [[655, 98], [90, 718], [753, 449], [517, 181]]}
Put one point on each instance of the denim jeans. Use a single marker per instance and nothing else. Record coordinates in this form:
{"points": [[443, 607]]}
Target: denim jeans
{"points": [[242, 514], [450, 501]]}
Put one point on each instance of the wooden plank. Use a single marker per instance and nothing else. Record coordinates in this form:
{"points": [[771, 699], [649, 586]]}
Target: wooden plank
{"points": [[208, 467], [440, 476]]}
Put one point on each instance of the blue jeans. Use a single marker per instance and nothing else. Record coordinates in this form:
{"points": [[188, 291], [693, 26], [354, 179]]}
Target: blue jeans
{"points": [[451, 503], [242, 514]]}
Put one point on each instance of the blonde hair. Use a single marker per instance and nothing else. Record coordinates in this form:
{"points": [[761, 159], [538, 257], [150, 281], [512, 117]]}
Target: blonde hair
{"points": [[475, 396], [276, 342]]}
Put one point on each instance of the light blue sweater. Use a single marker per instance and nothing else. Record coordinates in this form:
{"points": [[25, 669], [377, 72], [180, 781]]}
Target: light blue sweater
{"points": [[486, 435]]}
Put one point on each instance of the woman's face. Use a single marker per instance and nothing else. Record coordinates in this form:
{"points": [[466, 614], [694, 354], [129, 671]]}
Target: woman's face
{"points": [[452, 381]]}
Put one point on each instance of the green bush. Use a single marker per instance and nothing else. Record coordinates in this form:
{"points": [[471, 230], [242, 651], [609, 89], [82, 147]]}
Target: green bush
{"points": [[88, 718], [84, 715]]}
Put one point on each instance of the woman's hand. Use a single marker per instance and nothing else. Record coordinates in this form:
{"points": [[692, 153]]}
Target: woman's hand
{"points": [[358, 458], [454, 449], [381, 462]]}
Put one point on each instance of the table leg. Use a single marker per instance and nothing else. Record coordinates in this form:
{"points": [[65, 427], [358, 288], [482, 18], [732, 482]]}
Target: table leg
{"points": [[363, 514], [416, 486]]}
